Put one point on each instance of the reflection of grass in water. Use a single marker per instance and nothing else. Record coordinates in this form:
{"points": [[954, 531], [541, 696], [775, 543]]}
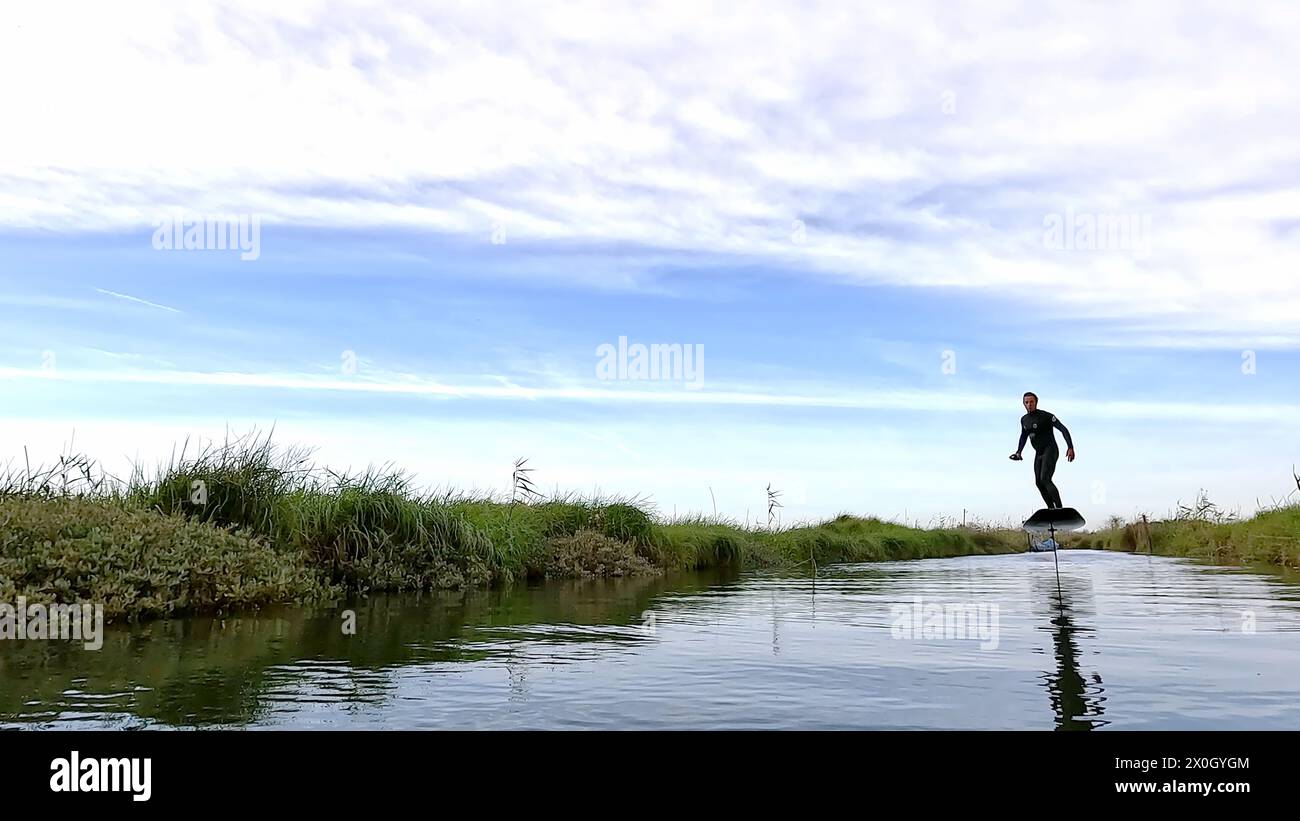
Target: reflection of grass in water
{"points": [[179, 672], [209, 671]]}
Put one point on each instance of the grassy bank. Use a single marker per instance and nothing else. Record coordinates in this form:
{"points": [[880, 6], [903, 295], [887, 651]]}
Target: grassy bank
{"points": [[1271, 537], [247, 524]]}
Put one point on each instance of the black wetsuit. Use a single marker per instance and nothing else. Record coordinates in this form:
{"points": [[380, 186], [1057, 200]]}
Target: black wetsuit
{"points": [[1037, 428]]}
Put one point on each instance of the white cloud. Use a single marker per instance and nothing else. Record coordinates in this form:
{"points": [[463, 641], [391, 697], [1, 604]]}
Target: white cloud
{"points": [[922, 144]]}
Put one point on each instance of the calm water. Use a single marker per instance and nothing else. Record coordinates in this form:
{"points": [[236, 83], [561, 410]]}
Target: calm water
{"points": [[1132, 642]]}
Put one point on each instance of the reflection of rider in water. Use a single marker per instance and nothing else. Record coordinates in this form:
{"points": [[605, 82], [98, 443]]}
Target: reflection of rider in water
{"points": [[1068, 689], [1036, 426], [1068, 694]]}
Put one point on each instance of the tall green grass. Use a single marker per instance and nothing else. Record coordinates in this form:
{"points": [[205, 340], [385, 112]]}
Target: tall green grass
{"points": [[245, 522], [1201, 531], [358, 533]]}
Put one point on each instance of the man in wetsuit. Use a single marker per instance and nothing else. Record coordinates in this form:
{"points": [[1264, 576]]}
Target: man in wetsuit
{"points": [[1036, 426]]}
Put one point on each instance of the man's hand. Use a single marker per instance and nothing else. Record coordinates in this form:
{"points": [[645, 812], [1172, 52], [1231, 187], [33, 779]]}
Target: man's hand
{"points": [[1016, 457], [1069, 455]]}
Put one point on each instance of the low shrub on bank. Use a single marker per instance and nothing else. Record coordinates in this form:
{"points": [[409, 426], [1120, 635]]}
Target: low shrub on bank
{"points": [[591, 554], [141, 563]]}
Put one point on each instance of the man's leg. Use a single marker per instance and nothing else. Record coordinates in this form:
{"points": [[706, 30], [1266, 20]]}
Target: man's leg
{"points": [[1042, 484], [1044, 468]]}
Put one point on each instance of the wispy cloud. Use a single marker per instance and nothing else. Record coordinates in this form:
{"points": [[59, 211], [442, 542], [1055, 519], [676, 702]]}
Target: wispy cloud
{"points": [[923, 147], [886, 400], [130, 298]]}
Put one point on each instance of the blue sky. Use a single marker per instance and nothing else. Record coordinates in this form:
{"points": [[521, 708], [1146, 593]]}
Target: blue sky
{"points": [[850, 213]]}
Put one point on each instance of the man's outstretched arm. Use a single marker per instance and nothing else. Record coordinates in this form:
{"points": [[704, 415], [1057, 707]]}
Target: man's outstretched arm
{"points": [[1024, 437]]}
